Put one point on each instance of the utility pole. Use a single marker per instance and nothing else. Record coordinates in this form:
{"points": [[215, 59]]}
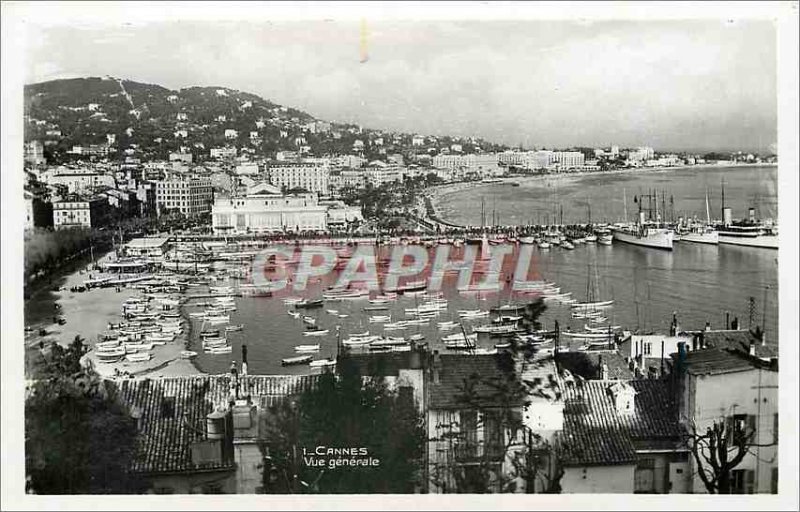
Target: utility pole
{"points": [[752, 310]]}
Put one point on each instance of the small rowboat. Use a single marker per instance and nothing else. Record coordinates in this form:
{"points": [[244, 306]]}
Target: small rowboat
{"points": [[307, 348], [322, 363], [222, 350], [316, 333], [304, 359], [188, 354], [139, 357]]}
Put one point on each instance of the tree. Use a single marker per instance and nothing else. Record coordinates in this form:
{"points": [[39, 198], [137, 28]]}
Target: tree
{"points": [[344, 411], [719, 450], [79, 438]]}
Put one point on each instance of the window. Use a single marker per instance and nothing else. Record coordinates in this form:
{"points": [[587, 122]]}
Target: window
{"points": [[742, 425], [494, 440], [468, 427], [742, 481]]}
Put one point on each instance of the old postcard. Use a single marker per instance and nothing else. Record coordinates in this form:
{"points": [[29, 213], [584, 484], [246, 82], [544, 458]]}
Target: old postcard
{"points": [[329, 255]]}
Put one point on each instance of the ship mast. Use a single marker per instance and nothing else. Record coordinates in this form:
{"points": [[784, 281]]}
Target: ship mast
{"points": [[708, 214]]}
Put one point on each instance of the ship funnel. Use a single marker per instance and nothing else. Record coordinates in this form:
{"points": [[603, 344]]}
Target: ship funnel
{"points": [[641, 217], [751, 214], [726, 216]]}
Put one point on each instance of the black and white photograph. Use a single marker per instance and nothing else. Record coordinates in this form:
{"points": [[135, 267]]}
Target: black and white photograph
{"points": [[331, 252]]}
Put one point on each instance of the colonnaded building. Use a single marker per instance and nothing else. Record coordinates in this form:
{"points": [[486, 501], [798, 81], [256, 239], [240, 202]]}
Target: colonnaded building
{"points": [[264, 209]]}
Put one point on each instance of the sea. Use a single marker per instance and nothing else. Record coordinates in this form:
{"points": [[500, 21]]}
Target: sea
{"points": [[698, 284]]}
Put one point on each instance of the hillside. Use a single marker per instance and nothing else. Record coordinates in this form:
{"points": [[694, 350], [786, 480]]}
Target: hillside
{"points": [[157, 121]]}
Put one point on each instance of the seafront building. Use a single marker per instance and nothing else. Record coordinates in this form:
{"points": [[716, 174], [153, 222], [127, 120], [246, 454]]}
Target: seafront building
{"points": [[311, 176], [264, 209], [188, 195], [77, 212]]}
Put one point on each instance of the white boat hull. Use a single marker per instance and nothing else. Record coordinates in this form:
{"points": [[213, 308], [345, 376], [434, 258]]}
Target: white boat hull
{"points": [[656, 239], [711, 238], [763, 241]]}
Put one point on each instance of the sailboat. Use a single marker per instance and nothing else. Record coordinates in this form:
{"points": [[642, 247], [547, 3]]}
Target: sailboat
{"points": [[693, 231], [588, 307]]}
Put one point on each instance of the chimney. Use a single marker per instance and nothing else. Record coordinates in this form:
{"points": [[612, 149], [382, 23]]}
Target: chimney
{"points": [[726, 216], [751, 214], [708, 326], [437, 366]]}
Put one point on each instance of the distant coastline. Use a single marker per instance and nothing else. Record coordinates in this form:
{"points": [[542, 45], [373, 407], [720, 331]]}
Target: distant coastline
{"points": [[439, 192]]}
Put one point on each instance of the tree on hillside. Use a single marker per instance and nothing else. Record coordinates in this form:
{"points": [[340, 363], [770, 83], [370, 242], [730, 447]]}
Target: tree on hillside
{"points": [[79, 438], [344, 412]]}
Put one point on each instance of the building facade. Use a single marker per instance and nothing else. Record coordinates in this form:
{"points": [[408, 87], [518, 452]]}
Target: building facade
{"points": [[189, 196], [311, 176], [80, 213], [265, 209]]}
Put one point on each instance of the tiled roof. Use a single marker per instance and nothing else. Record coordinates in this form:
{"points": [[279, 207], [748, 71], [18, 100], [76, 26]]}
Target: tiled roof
{"points": [[595, 433], [712, 361], [456, 372], [739, 341], [172, 412], [381, 364]]}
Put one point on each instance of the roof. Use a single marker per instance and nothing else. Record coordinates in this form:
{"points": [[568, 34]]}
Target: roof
{"points": [[595, 433], [739, 341], [587, 364], [264, 189], [714, 362], [381, 364], [466, 380], [147, 243], [167, 432]]}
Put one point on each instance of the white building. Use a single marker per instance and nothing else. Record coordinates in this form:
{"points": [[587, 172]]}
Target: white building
{"points": [[80, 213], [741, 392], [78, 180], [266, 209], [247, 168], [418, 140], [565, 160], [311, 176], [34, 152], [231, 134], [225, 152], [379, 173], [190, 196]]}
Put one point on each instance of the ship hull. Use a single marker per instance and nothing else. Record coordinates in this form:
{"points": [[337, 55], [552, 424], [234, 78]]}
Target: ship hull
{"points": [[657, 240], [764, 242], [700, 238]]}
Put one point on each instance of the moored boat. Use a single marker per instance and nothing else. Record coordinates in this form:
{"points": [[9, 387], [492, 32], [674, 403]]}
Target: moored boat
{"points": [[304, 359]]}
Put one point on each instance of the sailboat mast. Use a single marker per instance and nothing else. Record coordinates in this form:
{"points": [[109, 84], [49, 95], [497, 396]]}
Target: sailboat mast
{"points": [[708, 212], [723, 200], [625, 204]]}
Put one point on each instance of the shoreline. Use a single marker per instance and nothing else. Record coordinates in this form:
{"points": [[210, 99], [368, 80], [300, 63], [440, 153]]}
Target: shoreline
{"points": [[87, 315], [437, 193]]}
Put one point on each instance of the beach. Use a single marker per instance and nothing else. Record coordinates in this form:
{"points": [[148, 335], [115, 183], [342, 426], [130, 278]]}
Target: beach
{"points": [[88, 314]]}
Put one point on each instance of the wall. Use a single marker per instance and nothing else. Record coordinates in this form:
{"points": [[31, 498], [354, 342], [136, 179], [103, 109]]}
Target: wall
{"points": [[598, 479], [752, 392], [192, 483], [249, 461]]}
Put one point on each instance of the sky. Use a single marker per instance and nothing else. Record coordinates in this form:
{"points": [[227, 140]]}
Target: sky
{"points": [[673, 85]]}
